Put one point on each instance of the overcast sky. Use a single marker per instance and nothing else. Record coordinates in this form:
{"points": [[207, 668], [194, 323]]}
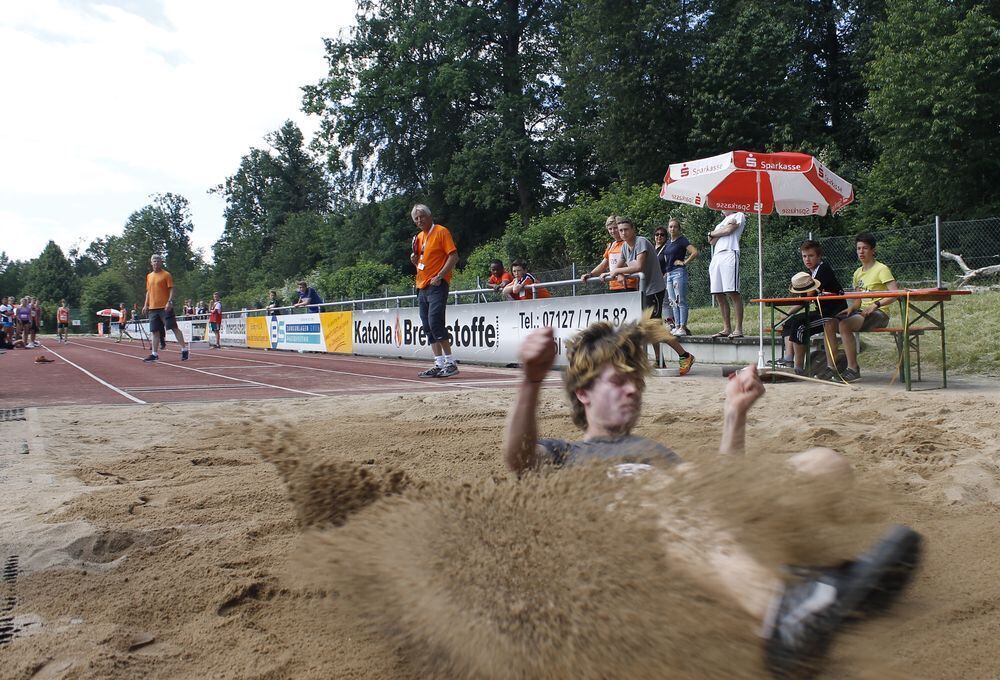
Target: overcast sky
{"points": [[107, 102]]}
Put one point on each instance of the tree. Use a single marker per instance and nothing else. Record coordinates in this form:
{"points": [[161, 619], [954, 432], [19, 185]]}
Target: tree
{"points": [[92, 261], [164, 226], [269, 187], [107, 289], [50, 276], [450, 101], [933, 110]]}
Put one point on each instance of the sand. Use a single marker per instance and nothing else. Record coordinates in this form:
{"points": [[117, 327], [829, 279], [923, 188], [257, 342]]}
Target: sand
{"points": [[382, 538]]}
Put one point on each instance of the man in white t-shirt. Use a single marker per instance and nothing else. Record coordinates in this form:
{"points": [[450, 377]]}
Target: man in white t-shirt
{"points": [[724, 271]]}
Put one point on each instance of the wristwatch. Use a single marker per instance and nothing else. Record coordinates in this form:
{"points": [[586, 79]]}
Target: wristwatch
{"points": [[878, 304]]}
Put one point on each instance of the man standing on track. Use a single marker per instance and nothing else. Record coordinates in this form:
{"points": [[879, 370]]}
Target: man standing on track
{"points": [[434, 256], [215, 320], [62, 322], [159, 304]]}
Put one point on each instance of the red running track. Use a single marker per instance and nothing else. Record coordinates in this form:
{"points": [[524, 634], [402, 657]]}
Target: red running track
{"points": [[100, 371]]}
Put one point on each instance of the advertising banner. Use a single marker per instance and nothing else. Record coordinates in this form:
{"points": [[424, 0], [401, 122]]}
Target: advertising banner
{"points": [[337, 331], [490, 332], [233, 332], [258, 335]]}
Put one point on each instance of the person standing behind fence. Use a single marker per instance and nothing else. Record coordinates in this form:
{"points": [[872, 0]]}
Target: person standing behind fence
{"points": [[434, 256], [612, 259], [675, 254], [864, 314], [724, 270], [159, 304], [518, 287], [215, 320], [640, 258], [499, 278], [308, 296]]}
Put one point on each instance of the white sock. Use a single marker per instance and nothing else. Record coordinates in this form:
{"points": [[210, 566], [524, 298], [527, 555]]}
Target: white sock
{"points": [[448, 359], [155, 354], [439, 361]]}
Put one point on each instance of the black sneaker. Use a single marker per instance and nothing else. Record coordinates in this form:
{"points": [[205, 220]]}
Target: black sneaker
{"points": [[184, 354], [163, 344], [801, 624], [851, 375], [448, 371], [431, 372], [151, 357]]}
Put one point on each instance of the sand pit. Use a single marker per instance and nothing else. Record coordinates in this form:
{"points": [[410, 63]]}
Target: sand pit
{"points": [[382, 538]]}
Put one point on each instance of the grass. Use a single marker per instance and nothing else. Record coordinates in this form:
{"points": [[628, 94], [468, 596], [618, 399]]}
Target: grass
{"points": [[972, 323]]}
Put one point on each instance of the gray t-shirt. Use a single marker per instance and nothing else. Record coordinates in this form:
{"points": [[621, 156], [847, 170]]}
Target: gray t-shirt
{"points": [[628, 448], [652, 274]]}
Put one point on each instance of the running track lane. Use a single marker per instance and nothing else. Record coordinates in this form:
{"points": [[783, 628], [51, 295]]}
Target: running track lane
{"points": [[100, 371]]}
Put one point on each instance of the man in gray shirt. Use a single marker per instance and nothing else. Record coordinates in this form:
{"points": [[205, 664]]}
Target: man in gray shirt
{"points": [[639, 257], [605, 377]]}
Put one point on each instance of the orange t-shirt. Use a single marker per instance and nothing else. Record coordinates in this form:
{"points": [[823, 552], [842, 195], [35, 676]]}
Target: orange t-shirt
{"points": [[613, 254], [434, 246], [504, 279], [531, 293], [158, 285]]}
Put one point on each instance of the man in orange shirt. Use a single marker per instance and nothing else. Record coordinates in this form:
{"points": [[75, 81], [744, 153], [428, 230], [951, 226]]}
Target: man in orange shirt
{"points": [[159, 303], [435, 256]]}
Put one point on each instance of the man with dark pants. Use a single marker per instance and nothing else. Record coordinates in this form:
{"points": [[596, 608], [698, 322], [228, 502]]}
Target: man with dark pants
{"points": [[434, 256], [797, 616], [159, 305]]}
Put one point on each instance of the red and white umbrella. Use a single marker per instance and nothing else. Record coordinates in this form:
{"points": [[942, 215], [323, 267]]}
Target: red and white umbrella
{"points": [[114, 313], [788, 183]]}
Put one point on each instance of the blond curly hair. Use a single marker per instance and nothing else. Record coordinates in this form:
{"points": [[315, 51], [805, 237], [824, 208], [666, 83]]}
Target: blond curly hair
{"points": [[600, 344]]}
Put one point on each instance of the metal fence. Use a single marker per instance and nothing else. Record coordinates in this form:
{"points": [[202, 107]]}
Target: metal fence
{"points": [[912, 253]]}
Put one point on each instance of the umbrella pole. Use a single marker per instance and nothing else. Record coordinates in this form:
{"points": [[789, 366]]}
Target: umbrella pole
{"points": [[760, 281]]}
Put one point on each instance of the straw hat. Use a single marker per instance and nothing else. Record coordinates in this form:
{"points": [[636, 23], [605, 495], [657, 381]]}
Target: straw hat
{"points": [[803, 283]]}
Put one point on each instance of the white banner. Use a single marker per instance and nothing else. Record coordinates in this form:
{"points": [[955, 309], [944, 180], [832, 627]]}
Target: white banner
{"points": [[489, 332]]}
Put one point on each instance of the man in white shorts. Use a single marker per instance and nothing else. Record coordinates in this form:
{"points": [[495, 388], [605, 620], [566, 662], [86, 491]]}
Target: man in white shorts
{"points": [[724, 271]]}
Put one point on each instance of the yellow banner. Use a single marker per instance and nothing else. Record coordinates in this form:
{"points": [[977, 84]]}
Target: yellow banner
{"points": [[336, 331], [258, 335]]}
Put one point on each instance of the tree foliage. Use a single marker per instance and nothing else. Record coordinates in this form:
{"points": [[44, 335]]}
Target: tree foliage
{"points": [[933, 111], [50, 276]]}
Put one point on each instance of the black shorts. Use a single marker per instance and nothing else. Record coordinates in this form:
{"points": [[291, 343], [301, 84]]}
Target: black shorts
{"points": [[876, 319], [654, 301], [431, 302], [60, 325], [161, 320]]}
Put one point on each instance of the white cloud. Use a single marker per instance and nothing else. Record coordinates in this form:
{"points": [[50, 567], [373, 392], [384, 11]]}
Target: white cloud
{"points": [[100, 101]]}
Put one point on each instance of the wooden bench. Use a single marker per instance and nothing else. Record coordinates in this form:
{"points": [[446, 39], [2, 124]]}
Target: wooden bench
{"points": [[817, 354]]}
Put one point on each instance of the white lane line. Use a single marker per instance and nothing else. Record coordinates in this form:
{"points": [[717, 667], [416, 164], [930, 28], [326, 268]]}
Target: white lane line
{"points": [[349, 358], [86, 372], [427, 382], [214, 375]]}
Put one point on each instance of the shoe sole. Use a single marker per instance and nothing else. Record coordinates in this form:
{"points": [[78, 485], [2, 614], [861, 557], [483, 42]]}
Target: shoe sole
{"points": [[888, 567]]}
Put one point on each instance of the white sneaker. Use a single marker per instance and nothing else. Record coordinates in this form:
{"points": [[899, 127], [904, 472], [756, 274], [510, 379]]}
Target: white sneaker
{"points": [[679, 331]]}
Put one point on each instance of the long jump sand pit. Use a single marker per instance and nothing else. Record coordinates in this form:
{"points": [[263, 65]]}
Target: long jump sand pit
{"points": [[382, 538]]}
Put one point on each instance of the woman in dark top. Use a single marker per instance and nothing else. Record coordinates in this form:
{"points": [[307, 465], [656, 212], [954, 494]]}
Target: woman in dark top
{"points": [[674, 255]]}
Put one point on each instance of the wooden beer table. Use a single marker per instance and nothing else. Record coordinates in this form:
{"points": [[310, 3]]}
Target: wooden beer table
{"points": [[924, 306]]}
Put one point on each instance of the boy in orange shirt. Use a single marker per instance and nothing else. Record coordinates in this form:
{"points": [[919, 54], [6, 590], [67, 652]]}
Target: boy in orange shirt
{"points": [[435, 256]]}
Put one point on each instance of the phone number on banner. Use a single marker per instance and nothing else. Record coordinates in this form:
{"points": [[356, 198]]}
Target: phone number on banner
{"points": [[575, 319]]}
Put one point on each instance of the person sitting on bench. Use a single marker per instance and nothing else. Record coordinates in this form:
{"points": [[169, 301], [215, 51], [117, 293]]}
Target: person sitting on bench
{"points": [[865, 314]]}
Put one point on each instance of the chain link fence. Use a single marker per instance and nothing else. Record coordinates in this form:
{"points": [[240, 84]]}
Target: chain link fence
{"points": [[910, 252]]}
